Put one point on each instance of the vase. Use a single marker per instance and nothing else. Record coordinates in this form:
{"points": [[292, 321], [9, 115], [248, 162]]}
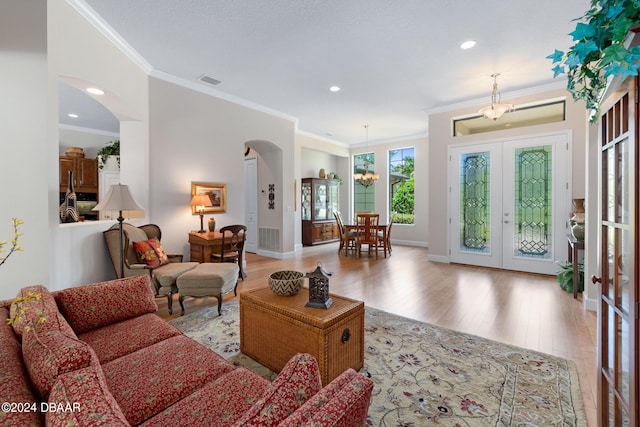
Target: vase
{"points": [[322, 173], [577, 219], [68, 208], [212, 224]]}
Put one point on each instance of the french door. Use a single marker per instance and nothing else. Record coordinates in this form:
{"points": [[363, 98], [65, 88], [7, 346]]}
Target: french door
{"points": [[509, 203], [618, 295]]}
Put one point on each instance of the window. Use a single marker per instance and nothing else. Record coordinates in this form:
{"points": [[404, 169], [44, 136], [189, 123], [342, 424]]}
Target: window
{"points": [[363, 197], [550, 111], [401, 167]]}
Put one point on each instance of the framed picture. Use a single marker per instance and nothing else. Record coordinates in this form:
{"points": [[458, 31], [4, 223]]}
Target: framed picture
{"points": [[217, 194]]}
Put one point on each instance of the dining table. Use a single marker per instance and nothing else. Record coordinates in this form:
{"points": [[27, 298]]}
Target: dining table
{"points": [[351, 229]]}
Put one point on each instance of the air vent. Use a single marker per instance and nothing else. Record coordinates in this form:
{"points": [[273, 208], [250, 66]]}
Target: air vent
{"points": [[210, 80]]}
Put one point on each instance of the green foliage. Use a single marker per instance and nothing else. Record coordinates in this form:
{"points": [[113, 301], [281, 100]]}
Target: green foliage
{"points": [[403, 200], [111, 149], [599, 50], [565, 277], [407, 218]]}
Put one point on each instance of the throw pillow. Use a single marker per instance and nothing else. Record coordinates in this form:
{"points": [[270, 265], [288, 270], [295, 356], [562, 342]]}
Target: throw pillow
{"points": [[146, 253], [160, 253], [151, 252]]}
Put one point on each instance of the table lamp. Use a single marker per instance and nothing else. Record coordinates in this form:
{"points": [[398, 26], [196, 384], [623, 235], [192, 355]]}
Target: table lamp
{"points": [[200, 201], [118, 198]]}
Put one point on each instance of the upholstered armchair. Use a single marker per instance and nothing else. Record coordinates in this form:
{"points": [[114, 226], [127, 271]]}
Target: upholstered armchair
{"points": [[163, 276]]}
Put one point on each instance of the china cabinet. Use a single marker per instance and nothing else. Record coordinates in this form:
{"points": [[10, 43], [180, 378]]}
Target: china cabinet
{"points": [[319, 200]]}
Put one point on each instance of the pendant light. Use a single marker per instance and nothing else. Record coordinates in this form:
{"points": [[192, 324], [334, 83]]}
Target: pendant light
{"points": [[367, 178], [496, 109]]}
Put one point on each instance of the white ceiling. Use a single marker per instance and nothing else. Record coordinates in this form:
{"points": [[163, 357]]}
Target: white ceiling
{"points": [[395, 60]]}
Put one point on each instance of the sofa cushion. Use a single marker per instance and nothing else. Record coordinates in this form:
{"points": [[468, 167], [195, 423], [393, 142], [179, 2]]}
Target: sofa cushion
{"points": [[48, 354], [85, 399], [94, 306], [14, 380], [37, 307], [344, 401], [151, 252], [298, 381], [122, 338], [219, 403], [151, 379]]}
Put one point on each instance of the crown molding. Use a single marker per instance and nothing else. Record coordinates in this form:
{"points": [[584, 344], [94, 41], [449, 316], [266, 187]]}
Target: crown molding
{"points": [[89, 130], [202, 88], [106, 30]]}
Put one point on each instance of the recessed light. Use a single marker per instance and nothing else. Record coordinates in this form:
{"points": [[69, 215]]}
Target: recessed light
{"points": [[334, 88], [73, 115], [95, 91], [468, 44]]}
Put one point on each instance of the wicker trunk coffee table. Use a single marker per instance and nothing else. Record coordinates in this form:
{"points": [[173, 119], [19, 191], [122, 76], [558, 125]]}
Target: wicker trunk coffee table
{"points": [[273, 328]]}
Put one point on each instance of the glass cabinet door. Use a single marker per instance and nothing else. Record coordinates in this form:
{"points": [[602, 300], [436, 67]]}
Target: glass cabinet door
{"points": [[320, 202], [333, 198], [306, 201]]}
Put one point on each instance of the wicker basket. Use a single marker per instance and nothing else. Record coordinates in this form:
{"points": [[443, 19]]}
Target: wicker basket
{"points": [[75, 152], [286, 282]]}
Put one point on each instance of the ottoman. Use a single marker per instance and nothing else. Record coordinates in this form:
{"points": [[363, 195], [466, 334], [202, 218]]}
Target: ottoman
{"points": [[208, 280]]}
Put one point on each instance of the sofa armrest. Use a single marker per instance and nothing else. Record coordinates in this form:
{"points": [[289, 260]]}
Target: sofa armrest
{"points": [[298, 381], [139, 267], [343, 402]]}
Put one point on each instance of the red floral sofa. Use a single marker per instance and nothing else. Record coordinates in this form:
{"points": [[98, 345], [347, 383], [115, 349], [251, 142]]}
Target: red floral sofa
{"points": [[102, 357]]}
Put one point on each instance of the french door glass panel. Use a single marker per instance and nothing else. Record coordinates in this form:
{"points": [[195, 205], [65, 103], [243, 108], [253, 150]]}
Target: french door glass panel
{"points": [[509, 203]]}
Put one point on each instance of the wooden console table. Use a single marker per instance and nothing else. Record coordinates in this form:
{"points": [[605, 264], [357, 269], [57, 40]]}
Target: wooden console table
{"points": [[202, 245], [574, 245]]}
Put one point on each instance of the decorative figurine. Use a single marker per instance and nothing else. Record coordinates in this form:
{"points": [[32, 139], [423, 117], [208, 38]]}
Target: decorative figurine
{"points": [[319, 288]]}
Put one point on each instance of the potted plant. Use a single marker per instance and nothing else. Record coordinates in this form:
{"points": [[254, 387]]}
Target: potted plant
{"points": [[565, 277], [112, 149], [599, 51]]}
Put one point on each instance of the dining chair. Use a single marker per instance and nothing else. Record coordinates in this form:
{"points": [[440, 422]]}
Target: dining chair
{"points": [[385, 239], [367, 232], [232, 246], [347, 237]]}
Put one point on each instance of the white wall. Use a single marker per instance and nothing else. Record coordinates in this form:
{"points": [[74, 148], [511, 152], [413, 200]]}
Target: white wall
{"points": [[25, 143], [80, 55], [198, 137], [88, 139]]}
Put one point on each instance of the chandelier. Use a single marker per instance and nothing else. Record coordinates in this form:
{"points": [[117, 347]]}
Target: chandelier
{"points": [[367, 178], [496, 109]]}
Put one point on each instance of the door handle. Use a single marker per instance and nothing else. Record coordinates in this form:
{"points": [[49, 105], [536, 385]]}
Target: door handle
{"points": [[595, 279]]}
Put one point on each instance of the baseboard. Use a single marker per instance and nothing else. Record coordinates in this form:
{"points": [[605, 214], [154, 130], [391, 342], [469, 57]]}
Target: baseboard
{"points": [[277, 255], [590, 304], [439, 258], [410, 243]]}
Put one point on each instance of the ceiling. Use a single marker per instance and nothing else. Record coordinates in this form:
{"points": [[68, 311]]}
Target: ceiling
{"points": [[395, 61]]}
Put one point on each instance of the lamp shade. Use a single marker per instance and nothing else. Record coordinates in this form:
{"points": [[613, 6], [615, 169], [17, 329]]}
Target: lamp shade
{"points": [[118, 198], [200, 200]]}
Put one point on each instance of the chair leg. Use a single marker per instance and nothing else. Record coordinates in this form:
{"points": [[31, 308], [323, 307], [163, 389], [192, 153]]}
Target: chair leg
{"points": [[170, 303], [181, 301], [219, 298], [235, 288]]}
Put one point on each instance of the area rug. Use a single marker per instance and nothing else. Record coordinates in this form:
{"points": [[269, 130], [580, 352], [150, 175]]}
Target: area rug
{"points": [[427, 375]]}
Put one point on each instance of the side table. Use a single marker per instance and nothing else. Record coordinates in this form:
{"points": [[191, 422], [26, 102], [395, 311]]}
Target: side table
{"points": [[574, 245]]}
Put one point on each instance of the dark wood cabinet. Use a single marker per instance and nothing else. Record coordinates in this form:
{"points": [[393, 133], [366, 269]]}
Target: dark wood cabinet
{"points": [[85, 174], [319, 200]]}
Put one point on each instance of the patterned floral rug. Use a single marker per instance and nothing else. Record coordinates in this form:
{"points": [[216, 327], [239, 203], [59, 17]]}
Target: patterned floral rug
{"points": [[426, 375]]}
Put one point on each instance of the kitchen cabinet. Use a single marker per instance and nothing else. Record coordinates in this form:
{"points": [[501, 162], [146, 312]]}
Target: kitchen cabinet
{"points": [[319, 200], [85, 174]]}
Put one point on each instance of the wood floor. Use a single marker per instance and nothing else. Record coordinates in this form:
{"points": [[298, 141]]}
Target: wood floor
{"points": [[526, 310]]}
